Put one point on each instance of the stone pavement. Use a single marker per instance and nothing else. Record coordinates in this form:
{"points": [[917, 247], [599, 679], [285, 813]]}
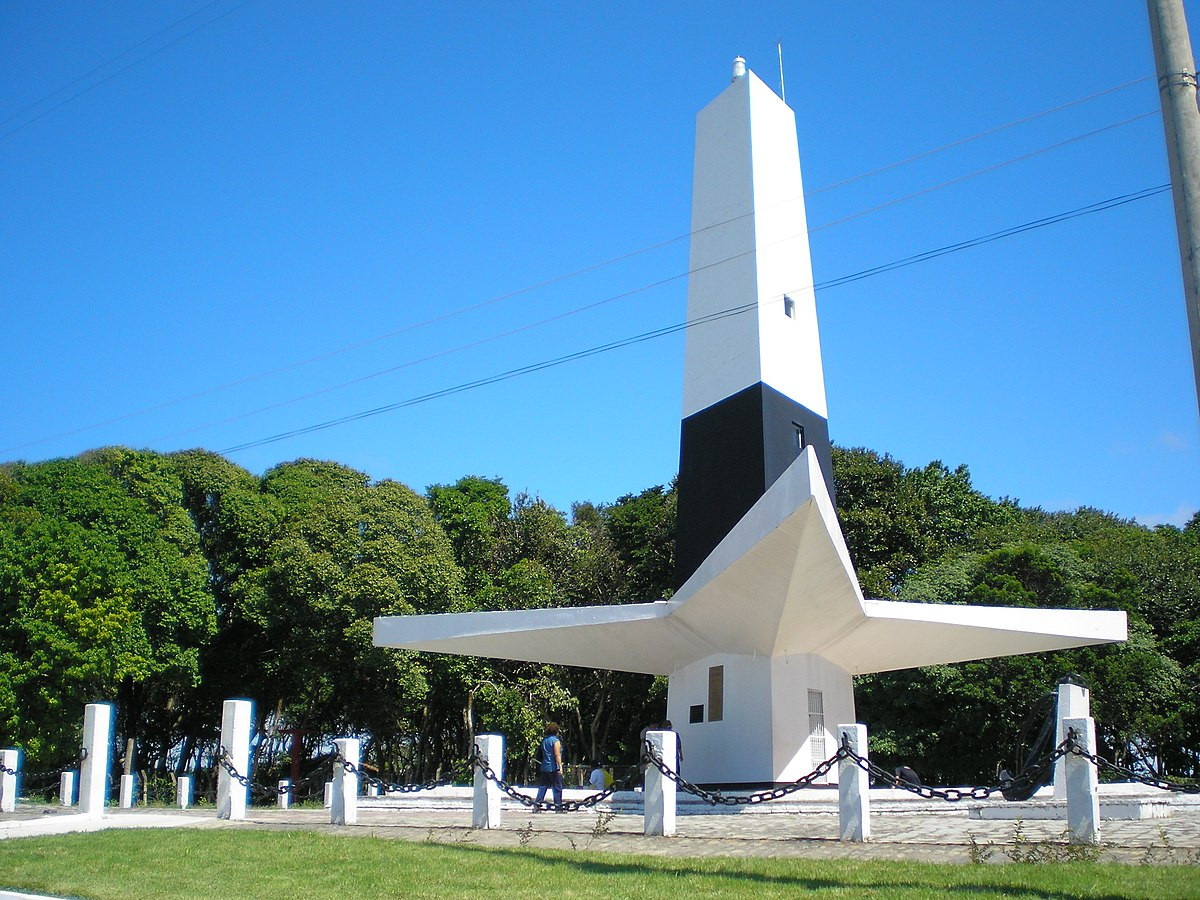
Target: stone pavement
{"points": [[902, 829]]}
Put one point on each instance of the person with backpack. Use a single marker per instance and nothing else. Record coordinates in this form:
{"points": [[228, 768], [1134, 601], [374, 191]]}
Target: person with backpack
{"points": [[550, 768]]}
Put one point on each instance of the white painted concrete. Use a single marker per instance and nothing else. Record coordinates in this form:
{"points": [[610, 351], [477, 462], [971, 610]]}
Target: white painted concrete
{"points": [[97, 754], [67, 782], [183, 791], [284, 795], [11, 760], [485, 807], [235, 740], [126, 793], [343, 807], [764, 732], [660, 790], [854, 789], [1074, 702], [749, 245], [1083, 800]]}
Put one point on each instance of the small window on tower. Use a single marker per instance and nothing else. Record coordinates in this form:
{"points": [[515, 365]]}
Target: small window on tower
{"points": [[789, 307], [716, 693], [799, 436], [696, 714]]}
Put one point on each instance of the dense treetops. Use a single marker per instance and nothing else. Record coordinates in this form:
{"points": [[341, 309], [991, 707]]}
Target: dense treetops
{"points": [[167, 583]]}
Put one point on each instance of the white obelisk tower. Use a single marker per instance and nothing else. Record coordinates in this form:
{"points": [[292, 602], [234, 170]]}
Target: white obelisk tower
{"points": [[768, 624], [753, 399]]}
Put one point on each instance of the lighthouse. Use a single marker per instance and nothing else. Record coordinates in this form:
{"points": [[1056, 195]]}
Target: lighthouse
{"points": [[768, 626]]}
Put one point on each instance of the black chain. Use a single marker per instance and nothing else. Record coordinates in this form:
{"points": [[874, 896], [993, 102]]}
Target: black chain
{"points": [[262, 790], [388, 786], [715, 797], [525, 800], [1029, 778], [1150, 781], [48, 773]]}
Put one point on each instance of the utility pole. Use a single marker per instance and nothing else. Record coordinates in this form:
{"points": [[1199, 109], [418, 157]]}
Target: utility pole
{"points": [[1181, 121]]}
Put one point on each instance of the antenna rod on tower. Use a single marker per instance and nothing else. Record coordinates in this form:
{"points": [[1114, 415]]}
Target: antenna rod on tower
{"points": [[782, 92]]}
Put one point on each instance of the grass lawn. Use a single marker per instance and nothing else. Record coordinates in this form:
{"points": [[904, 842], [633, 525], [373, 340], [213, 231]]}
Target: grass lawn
{"points": [[226, 863]]}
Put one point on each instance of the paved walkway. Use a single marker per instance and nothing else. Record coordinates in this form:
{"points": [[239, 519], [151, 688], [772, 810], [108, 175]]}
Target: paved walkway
{"points": [[901, 828]]}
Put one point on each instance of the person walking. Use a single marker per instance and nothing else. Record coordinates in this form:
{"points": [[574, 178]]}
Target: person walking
{"points": [[550, 768]]}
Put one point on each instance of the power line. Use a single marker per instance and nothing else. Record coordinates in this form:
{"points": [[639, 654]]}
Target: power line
{"points": [[985, 170], [122, 70], [557, 280], [740, 309], [104, 65], [974, 137]]}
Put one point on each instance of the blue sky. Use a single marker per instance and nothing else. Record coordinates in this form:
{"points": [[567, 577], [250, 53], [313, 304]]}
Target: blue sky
{"points": [[229, 221]]}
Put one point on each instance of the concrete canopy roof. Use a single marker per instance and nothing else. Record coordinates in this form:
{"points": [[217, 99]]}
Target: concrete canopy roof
{"points": [[780, 583]]}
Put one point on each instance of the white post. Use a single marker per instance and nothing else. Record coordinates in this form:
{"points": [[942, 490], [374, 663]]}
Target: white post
{"points": [[344, 807], [97, 753], [485, 808], [11, 761], [66, 787], [660, 790], [1083, 799], [126, 801], [854, 788], [1074, 702], [285, 793], [183, 791], [235, 742], [328, 799], [372, 790]]}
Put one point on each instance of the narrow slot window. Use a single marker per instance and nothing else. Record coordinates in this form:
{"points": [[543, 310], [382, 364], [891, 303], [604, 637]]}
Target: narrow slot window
{"points": [[716, 693], [789, 307]]}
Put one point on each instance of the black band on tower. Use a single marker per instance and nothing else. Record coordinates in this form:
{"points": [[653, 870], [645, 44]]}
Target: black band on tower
{"points": [[729, 454]]}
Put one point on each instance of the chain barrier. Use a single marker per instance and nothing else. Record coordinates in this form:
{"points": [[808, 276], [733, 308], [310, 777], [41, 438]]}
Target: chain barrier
{"points": [[1150, 781], [1031, 777], [525, 800], [716, 797], [260, 790], [47, 773], [389, 787]]}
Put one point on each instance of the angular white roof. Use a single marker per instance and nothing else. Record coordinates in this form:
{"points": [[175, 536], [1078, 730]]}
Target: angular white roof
{"points": [[780, 583]]}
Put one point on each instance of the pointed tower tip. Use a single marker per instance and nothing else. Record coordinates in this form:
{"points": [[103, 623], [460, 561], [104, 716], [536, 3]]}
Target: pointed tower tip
{"points": [[739, 69]]}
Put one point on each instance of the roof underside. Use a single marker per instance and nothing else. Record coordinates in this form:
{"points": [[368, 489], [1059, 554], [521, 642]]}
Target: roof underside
{"points": [[780, 583]]}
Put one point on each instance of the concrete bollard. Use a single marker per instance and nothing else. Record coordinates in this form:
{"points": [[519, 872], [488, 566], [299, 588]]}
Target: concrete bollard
{"points": [[183, 791], [343, 809], [854, 788], [1083, 798], [285, 794], [11, 760], [1074, 702], [485, 808], [235, 739], [372, 790], [660, 790], [328, 799], [97, 754], [67, 782], [127, 785]]}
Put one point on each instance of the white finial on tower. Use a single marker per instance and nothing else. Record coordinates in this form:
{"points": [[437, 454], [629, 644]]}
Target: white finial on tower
{"points": [[739, 69]]}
